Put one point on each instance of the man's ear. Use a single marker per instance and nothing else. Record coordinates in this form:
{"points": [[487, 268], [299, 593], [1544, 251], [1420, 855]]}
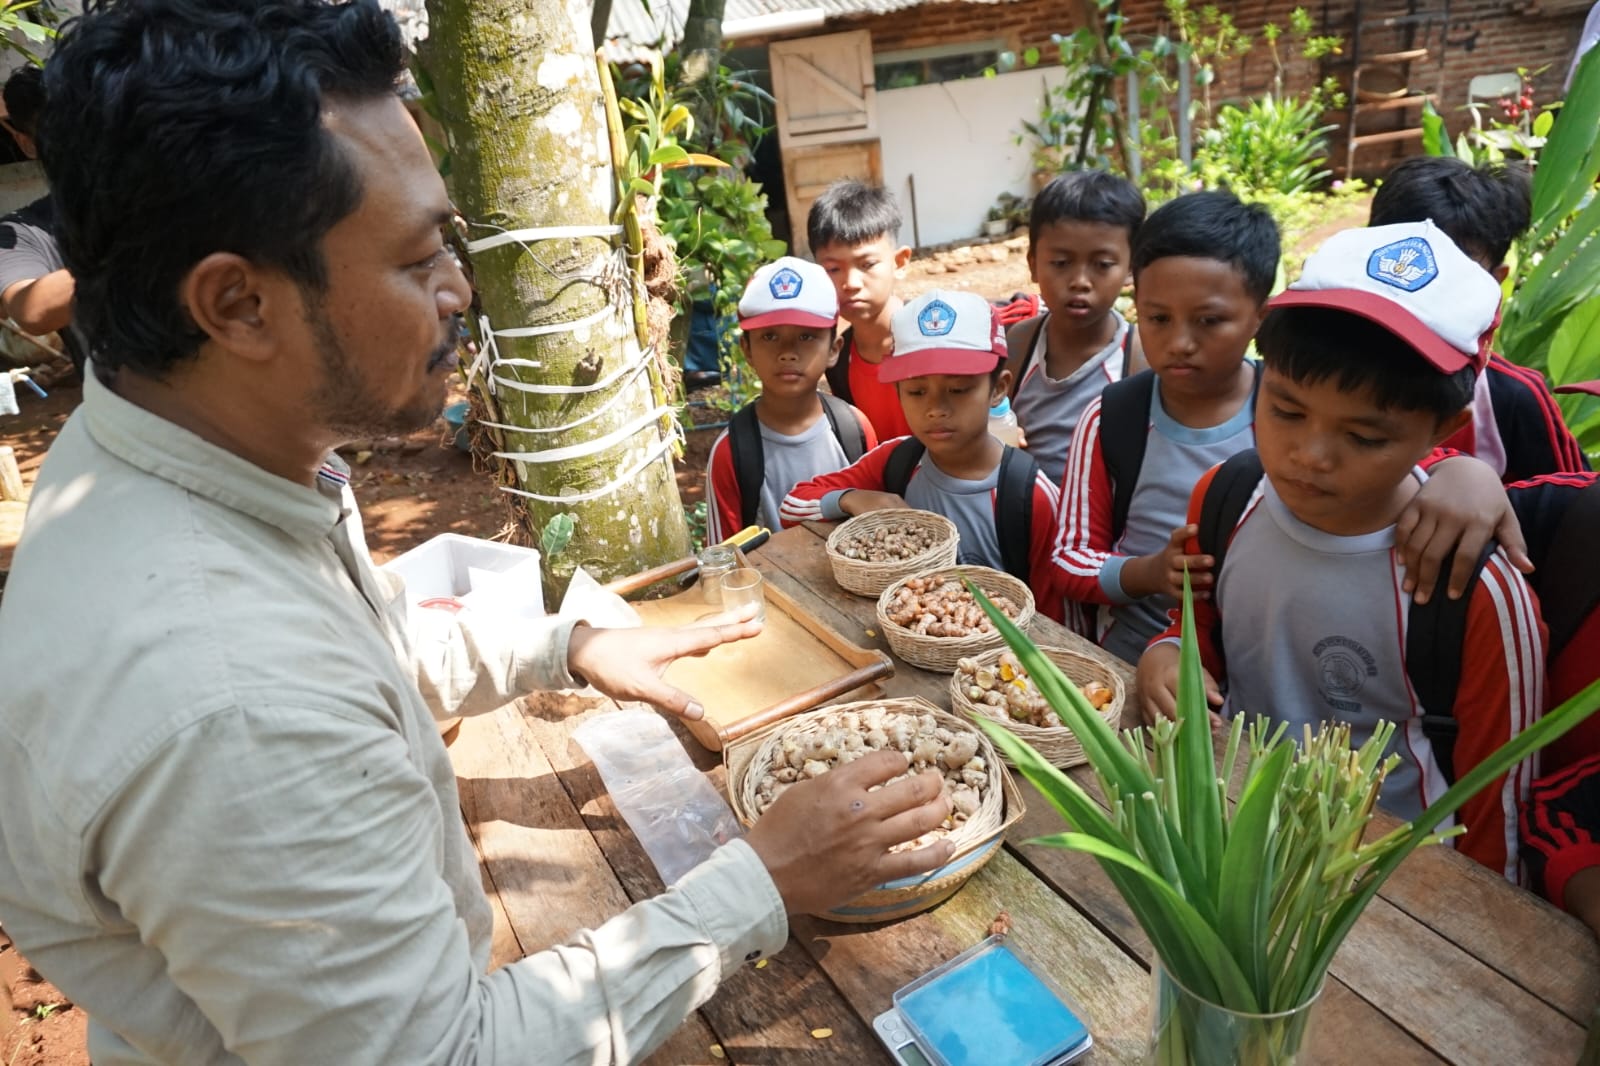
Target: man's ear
{"points": [[902, 256], [1449, 427], [234, 303]]}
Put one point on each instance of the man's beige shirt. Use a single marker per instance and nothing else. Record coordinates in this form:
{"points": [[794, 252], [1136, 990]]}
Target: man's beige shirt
{"points": [[228, 827]]}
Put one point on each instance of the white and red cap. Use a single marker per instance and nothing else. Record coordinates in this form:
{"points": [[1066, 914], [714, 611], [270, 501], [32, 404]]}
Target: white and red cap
{"points": [[1413, 281], [944, 333], [789, 292]]}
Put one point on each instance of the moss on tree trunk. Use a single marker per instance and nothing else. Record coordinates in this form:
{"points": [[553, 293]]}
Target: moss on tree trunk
{"points": [[519, 99]]}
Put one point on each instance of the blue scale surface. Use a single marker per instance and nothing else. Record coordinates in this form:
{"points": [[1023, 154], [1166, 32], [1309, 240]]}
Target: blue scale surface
{"points": [[992, 1009]]}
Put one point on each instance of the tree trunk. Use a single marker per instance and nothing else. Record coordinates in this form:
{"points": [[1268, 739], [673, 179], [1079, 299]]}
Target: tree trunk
{"points": [[701, 51], [519, 98]]}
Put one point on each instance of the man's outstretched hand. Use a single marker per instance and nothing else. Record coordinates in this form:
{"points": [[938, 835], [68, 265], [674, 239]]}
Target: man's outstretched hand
{"points": [[627, 664], [826, 840]]}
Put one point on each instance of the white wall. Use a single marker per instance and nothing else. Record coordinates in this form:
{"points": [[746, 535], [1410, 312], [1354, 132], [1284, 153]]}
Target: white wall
{"points": [[957, 140]]}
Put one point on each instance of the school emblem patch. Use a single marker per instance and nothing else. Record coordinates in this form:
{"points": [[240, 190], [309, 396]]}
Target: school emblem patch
{"points": [[785, 284], [937, 319], [1406, 264]]}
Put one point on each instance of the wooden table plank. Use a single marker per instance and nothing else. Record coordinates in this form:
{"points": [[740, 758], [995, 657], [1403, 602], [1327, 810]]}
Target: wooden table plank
{"points": [[762, 1015], [550, 877]]}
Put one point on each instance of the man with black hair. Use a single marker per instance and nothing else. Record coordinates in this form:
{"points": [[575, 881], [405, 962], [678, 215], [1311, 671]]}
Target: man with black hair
{"points": [[229, 830], [36, 289]]}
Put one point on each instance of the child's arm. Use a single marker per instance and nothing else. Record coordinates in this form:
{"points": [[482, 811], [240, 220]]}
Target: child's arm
{"points": [[1460, 506], [724, 504], [820, 498], [1041, 545], [1083, 543], [1502, 692], [1560, 821]]}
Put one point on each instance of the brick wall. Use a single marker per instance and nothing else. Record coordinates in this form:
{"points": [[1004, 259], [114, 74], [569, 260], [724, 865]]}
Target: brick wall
{"points": [[1481, 37]]}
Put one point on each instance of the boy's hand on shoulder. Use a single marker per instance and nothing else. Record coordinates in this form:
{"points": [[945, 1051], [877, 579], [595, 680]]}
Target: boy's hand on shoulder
{"points": [[1459, 507], [1155, 686], [860, 501], [1161, 574]]}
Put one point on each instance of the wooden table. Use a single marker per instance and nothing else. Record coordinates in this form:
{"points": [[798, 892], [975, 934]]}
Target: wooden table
{"points": [[1450, 963]]}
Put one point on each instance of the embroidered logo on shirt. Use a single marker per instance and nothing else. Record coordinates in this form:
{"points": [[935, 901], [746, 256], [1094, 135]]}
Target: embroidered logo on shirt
{"points": [[1406, 264], [1343, 666], [937, 319], [785, 284]]}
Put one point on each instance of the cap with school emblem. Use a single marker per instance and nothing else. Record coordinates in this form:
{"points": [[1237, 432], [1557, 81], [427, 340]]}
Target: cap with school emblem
{"points": [[944, 333], [789, 292], [1410, 279]]}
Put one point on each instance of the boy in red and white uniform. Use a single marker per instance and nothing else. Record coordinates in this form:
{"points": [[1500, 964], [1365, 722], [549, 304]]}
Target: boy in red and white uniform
{"points": [[1370, 360], [790, 433]]}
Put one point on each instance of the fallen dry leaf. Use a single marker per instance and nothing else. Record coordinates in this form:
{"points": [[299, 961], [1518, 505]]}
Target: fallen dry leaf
{"points": [[821, 1034], [1001, 924]]}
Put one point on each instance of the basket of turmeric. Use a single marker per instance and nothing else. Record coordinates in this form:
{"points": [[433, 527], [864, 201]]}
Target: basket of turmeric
{"points": [[872, 551], [983, 797], [995, 686], [932, 621]]}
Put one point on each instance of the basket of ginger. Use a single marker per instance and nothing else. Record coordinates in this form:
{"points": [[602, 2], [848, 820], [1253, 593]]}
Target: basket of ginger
{"points": [[996, 686], [932, 621]]}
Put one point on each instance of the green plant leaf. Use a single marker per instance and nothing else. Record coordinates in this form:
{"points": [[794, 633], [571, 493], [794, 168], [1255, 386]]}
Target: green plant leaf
{"points": [[667, 155], [1575, 348], [1542, 124], [1435, 138], [1573, 151], [557, 535]]}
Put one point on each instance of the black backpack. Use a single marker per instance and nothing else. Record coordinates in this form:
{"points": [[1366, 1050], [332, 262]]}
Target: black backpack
{"points": [[1434, 630], [1013, 512], [749, 459], [1020, 344], [1571, 591], [838, 375]]}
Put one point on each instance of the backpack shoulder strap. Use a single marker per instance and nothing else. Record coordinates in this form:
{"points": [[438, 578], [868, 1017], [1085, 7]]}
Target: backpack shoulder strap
{"points": [[846, 426], [1220, 510], [1575, 564], [838, 375], [1013, 511], [1021, 339], [749, 461], [1124, 432], [1127, 349], [1435, 632], [903, 460]]}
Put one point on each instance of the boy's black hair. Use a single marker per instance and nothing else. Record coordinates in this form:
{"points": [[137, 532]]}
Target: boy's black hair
{"points": [[180, 128], [1088, 196], [1310, 345], [1483, 208], [1213, 225], [24, 97], [852, 212]]}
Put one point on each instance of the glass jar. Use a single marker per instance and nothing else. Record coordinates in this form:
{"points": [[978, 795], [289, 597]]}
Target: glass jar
{"points": [[716, 561], [1188, 1030]]}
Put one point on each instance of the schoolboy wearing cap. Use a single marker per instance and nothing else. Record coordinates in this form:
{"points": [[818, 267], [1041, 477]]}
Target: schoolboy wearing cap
{"points": [[948, 368], [1369, 362], [788, 330]]}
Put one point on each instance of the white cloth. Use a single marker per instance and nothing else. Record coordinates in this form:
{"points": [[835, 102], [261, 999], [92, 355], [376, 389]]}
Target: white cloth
{"points": [[229, 829]]}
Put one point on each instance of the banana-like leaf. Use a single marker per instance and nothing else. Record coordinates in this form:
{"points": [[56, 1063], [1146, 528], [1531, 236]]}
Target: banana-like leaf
{"points": [[1435, 138], [1571, 157], [1575, 348]]}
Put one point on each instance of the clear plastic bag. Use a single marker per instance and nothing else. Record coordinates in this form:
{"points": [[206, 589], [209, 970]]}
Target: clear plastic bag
{"points": [[668, 803]]}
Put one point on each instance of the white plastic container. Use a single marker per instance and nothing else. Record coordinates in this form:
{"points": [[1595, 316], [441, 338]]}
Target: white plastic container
{"points": [[483, 575]]}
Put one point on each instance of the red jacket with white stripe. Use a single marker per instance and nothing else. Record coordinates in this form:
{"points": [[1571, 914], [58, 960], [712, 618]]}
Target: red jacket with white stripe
{"points": [[1560, 823], [1323, 625]]}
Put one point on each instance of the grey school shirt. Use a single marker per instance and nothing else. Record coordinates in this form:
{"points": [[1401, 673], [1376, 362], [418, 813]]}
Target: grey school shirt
{"points": [[1048, 408], [229, 830], [968, 503], [28, 251], [1174, 459], [786, 460]]}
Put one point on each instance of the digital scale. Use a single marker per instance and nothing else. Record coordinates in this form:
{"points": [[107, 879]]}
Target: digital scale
{"points": [[985, 1006]]}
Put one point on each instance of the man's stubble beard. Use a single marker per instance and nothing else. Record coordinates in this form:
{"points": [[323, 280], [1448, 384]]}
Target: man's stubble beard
{"points": [[342, 401]]}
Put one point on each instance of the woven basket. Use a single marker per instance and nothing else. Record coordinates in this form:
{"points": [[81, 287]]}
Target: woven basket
{"points": [[1057, 744], [941, 654], [975, 841], [870, 579]]}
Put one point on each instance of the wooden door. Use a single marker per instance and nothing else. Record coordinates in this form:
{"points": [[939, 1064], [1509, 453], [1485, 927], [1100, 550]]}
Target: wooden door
{"points": [[827, 118]]}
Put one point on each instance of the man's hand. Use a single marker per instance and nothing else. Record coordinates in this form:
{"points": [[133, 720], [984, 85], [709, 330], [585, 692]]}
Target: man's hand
{"points": [[860, 501], [827, 840], [1161, 574], [1156, 683], [627, 664], [1459, 507]]}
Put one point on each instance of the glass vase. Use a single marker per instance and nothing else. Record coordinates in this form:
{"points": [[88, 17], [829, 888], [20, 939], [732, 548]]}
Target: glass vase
{"points": [[1187, 1030]]}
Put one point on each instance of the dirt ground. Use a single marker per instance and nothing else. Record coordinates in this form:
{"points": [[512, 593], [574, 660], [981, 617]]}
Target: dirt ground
{"points": [[411, 489]]}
